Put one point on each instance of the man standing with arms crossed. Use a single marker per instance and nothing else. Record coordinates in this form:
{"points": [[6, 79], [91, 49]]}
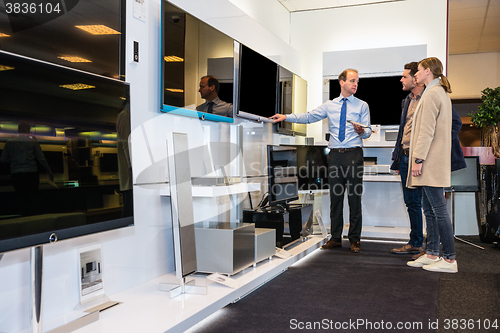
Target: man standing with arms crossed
{"points": [[412, 197], [345, 160]]}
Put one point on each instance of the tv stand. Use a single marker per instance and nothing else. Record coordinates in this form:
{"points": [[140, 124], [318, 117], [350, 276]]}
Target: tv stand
{"points": [[276, 216]]}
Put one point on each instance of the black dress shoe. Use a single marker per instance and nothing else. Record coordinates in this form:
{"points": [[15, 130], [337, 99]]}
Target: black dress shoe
{"points": [[355, 247], [331, 244]]}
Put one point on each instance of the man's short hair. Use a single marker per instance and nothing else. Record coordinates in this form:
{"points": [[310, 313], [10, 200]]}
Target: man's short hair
{"points": [[24, 128], [343, 75], [212, 81], [413, 67]]}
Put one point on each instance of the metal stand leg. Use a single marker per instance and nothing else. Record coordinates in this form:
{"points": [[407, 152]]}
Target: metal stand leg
{"points": [[36, 267], [185, 286]]}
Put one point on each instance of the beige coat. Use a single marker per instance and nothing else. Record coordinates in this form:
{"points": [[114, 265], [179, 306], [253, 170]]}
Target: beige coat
{"points": [[431, 138]]}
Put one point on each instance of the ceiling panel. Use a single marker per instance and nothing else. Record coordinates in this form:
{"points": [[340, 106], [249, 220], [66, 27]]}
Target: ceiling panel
{"points": [[473, 24]]}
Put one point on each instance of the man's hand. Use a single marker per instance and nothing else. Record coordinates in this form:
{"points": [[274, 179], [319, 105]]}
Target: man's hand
{"points": [[278, 117], [358, 129]]}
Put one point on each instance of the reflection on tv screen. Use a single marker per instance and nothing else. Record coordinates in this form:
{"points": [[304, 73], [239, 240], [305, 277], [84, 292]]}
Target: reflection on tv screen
{"points": [[61, 150]]}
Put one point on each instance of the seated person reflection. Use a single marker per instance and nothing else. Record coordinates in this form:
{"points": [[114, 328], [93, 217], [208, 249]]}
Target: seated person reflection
{"points": [[22, 153], [209, 90]]}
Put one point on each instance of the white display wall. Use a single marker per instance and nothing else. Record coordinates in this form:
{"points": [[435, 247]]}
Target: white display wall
{"points": [[141, 253], [392, 24]]}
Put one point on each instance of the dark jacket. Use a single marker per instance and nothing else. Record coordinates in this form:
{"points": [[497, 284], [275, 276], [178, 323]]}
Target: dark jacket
{"points": [[457, 155]]}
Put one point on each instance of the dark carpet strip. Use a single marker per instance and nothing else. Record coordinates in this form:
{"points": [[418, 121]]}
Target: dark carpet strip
{"points": [[336, 290], [469, 301]]}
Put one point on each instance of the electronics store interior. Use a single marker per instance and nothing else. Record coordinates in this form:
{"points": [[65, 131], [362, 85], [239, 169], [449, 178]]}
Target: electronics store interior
{"points": [[151, 207]]}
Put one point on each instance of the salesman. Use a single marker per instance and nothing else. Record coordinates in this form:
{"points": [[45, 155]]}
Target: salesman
{"points": [[345, 160]]}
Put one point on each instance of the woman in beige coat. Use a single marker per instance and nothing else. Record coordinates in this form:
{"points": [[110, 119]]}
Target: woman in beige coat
{"points": [[430, 164]]}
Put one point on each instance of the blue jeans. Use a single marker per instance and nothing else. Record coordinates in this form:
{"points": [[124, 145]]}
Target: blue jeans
{"points": [[438, 222], [413, 201]]}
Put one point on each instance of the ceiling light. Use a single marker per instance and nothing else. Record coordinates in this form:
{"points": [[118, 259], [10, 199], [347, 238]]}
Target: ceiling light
{"points": [[73, 59], [173, 59], [175, 90], [98, 29], [4, 35], [5, 68], [76, 86]]}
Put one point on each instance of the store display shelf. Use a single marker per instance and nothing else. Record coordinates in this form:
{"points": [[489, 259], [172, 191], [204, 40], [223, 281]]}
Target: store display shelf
{"points": [[215, 191], [145, 308]]}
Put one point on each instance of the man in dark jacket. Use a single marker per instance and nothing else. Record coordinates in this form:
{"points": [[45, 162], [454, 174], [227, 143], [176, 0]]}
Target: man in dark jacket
{"points": [[400, 156], [413, 197]]}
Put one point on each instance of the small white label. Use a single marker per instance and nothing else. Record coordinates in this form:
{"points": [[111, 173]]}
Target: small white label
{"points": [[224, 280], [283, 254]]}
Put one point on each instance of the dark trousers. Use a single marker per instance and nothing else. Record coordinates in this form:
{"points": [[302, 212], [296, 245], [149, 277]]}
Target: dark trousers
{"points": [[413, 201], [345, 175]]}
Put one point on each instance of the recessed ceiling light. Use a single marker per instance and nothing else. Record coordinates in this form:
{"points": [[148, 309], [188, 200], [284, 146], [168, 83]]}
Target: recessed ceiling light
{"points": [[73, 59], [175, 90], [173, 59], [98, 29], [76, 86], [5, 68], [4, 35]]}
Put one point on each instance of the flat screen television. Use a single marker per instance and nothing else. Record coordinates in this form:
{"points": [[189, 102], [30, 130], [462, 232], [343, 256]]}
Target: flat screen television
{"points": [[70, 114], [85, 35], [257, 85], [282, 174], [312, 167], [292, 98], [190, 50], [383, 95]]}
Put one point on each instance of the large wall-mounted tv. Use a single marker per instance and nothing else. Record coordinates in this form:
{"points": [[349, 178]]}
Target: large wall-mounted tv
{"points": [[383, 95], [85, 35], [190, 50], [71, 115], [257, 85], [292, 98]]}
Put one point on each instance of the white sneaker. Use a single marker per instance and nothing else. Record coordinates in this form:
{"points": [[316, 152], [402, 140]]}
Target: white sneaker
{"points": [[442, 266], [422, 261]]}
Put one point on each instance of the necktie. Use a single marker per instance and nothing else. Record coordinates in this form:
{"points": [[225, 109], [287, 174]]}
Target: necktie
{"points": [[343, 115], [210, 107]]}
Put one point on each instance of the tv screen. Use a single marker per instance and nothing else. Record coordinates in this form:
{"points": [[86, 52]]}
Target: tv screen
{"points": [[55, 159], [383, 95], [282, 174], [70, 115], [257, 85], [108, 162], [292, 98], [312, 167], [192, 50], [85, 35]]}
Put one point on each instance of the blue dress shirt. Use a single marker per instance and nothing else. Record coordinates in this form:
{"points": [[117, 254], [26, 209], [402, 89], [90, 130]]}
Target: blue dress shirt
{"points": [[357, 111]]}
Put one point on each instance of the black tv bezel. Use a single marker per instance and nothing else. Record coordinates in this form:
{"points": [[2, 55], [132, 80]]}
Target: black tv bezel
{"points": [[251, 114], [47, 237]]}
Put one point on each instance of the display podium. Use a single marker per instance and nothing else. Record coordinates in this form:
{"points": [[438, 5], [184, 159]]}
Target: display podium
{"points": [[224, 247]]}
